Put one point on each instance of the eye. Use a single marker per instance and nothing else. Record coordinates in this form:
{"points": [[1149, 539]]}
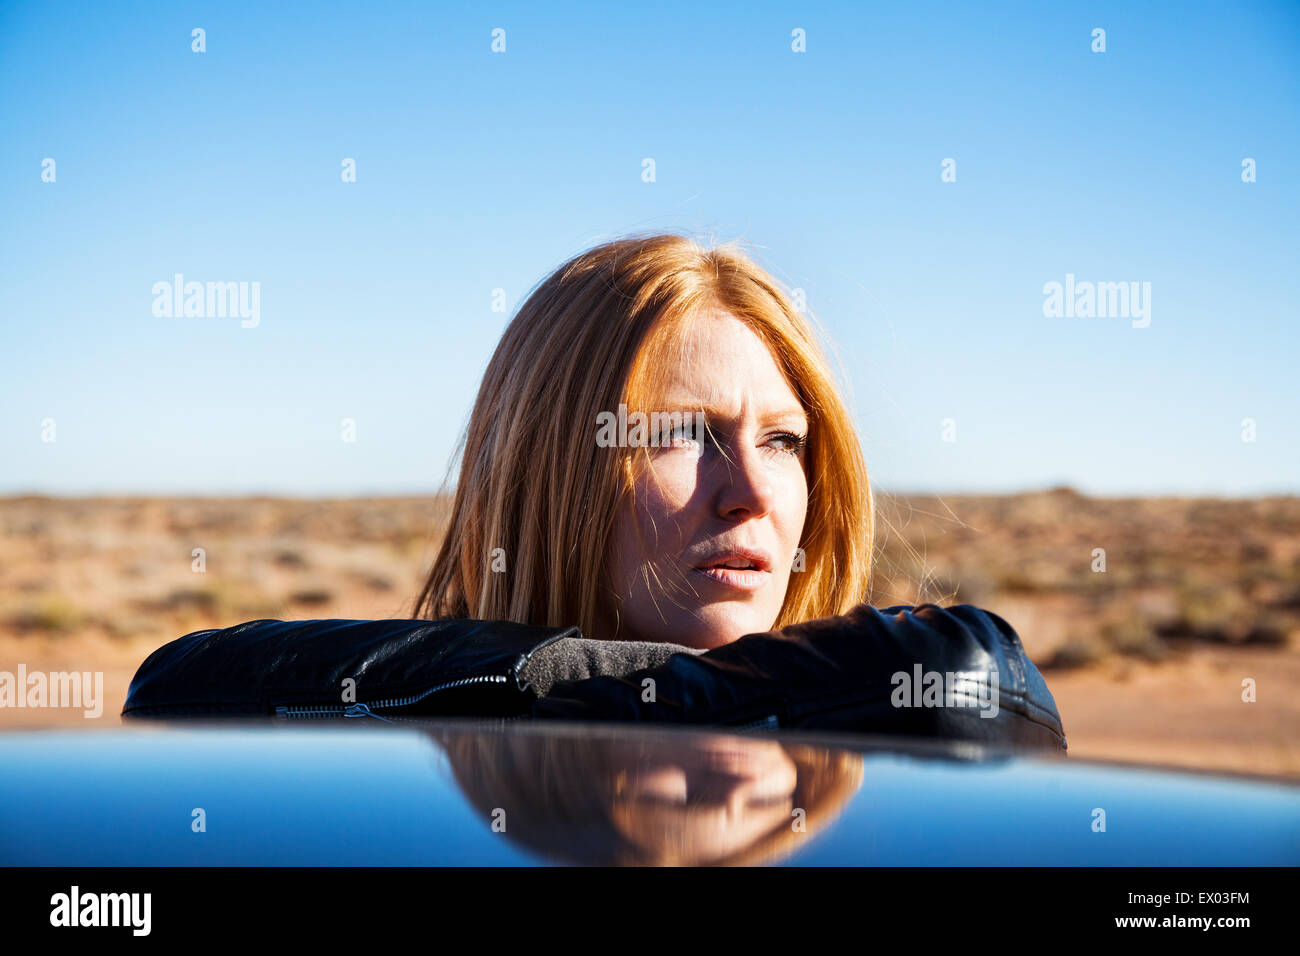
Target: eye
{"points": [[771, 800], [788, 443], [687, 431], [683, 436]]}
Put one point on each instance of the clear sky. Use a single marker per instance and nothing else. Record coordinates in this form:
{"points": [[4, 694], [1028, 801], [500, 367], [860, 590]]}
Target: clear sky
{"points": [[478, 170]]}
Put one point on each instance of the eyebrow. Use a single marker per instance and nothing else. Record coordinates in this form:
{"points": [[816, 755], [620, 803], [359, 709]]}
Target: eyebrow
{"points": [[711, 410], [676, 402]]}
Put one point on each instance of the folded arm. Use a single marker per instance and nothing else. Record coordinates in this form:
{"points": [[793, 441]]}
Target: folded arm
{"points": [[956, 672]]}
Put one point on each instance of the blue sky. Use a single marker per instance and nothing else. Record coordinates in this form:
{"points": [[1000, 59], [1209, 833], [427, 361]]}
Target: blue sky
{"points": [[478, 171]]}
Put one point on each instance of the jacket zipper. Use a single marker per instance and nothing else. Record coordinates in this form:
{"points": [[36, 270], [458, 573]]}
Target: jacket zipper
{"points": [[367, 708]]}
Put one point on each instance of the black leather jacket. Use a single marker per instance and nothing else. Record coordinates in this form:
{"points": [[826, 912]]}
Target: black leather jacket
{"points": [[957, 672]]}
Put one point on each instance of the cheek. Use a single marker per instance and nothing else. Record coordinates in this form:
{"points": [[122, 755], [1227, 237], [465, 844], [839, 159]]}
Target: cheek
{"points": [[651, 521], [792, 506], [663, 497]]}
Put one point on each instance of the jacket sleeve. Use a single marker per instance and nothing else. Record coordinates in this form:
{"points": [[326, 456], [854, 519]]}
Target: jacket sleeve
{"points": [[298, 669], [957, 672]]}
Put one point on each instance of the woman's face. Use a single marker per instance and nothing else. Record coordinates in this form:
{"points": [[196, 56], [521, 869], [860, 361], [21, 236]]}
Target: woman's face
{"points": [[698, 801], [703, 549]]}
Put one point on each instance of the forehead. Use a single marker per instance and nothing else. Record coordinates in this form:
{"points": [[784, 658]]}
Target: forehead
{"points": [[717, 361]]}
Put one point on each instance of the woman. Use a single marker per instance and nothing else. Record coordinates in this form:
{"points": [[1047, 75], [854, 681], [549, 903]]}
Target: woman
{"points": [[634, 543], [608, 797], [662, 515]]}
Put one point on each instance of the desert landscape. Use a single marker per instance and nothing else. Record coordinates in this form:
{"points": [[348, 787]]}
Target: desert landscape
{"points": [[1147, 616]]}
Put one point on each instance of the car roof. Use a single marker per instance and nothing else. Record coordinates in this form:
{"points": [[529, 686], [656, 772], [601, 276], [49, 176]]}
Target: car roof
{"points": [[473, 792]]}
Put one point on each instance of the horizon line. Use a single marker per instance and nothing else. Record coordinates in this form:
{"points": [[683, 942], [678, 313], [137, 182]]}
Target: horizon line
{"points": [[1057, 488]]}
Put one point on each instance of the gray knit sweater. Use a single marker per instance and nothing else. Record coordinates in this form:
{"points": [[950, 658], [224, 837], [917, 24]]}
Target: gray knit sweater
{"points": [[577, 658]]}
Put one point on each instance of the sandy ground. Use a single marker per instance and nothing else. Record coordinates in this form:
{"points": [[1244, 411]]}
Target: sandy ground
{"points": [[1146, 662], [1187, 713]]}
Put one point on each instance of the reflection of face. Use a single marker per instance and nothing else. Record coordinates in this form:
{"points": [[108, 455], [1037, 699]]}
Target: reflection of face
{"points": [[704, 547], [706, 800]]}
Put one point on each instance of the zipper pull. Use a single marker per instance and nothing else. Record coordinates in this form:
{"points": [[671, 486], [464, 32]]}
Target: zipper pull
{"points": [[362, 710]]}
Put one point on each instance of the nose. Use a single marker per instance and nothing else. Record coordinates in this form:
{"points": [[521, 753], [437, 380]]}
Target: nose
{"points": [[746, 490], [727, 791], [737, 801]]}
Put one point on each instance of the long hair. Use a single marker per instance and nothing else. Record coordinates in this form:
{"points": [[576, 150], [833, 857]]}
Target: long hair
{"points": [[560, 791], [538, 495]]}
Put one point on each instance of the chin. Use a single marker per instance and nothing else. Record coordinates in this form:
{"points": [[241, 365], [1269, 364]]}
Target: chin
{"points": [[713, 626]]}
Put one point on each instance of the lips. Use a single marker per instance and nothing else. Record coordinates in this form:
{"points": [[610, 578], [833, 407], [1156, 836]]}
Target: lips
{"points": [[739, 569]]}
